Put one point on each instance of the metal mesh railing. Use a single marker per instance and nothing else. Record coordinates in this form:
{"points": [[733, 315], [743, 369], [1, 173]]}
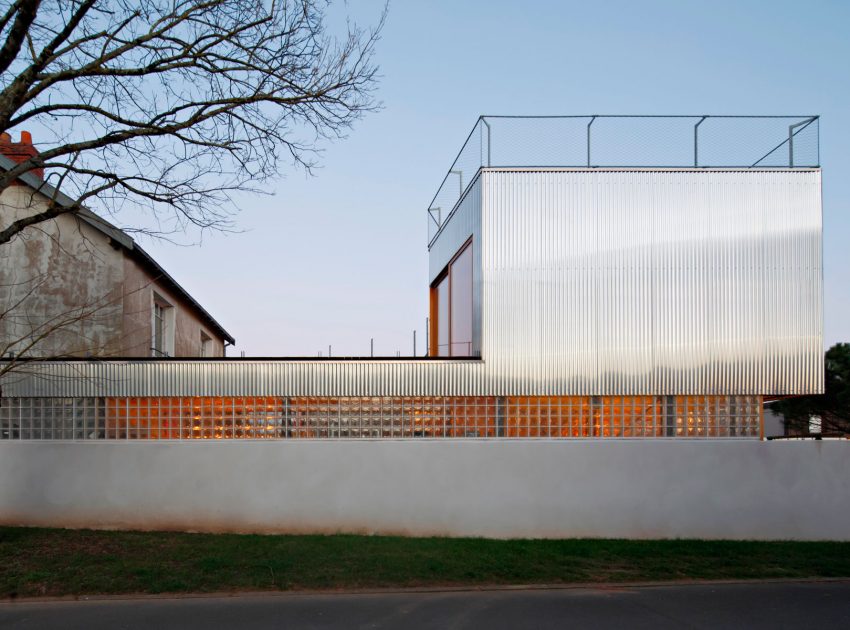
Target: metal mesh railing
{"points": [[627, 142]]}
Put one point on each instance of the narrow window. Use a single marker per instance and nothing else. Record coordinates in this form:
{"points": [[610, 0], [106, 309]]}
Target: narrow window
{"points": [[442, 297], [158, 329], [163, 322], [461, 304], [451, 307], [206, 345]]}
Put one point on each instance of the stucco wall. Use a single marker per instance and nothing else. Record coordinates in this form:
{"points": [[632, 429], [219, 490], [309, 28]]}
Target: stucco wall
{"points": [[138, 313], [523, 488], [61, 277]]}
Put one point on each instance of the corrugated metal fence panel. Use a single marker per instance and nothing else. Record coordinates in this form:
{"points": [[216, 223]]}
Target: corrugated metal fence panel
{"points": [[640, 281], [247, 378]]}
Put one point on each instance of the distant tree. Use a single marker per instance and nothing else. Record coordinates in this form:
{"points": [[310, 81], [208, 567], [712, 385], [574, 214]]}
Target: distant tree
{"points": [[162, 109], [833, 406]]}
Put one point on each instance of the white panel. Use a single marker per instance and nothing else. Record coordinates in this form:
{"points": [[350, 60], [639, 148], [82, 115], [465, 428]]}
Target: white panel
{"points": [[504, 489]]}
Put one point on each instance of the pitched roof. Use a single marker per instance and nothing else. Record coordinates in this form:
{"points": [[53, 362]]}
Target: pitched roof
{"points": [[121, 238]]}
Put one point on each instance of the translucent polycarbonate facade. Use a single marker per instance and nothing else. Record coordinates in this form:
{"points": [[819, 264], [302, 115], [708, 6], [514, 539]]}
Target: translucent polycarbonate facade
{"points": [[685, 281]]}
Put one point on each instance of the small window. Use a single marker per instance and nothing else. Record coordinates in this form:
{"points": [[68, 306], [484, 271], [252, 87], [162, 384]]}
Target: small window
{"points": [[162, 333], [206, 345]]}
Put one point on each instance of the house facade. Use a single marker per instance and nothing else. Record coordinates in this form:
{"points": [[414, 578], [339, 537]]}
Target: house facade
{"points": [[77, 286], [609, 299]]}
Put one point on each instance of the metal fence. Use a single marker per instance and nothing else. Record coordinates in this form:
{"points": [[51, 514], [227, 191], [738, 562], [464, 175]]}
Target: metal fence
{"points": [[602, 141]]}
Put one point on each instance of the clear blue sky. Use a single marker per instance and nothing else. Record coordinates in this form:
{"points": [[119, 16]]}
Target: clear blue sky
{"points": [[340, 257]]}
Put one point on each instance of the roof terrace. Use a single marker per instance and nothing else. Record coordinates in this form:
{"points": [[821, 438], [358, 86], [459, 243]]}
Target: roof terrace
{"points": [[624, 141]]}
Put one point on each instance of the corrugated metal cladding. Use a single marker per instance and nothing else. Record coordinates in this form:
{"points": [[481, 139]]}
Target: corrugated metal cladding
{"points": [[591, 282], [641, 281], [248, 378]]}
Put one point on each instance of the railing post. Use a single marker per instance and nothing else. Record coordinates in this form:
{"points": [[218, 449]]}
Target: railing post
{"points": [[792, 132], [592, 118], [791, 146], [486, 124], [696, 141]]}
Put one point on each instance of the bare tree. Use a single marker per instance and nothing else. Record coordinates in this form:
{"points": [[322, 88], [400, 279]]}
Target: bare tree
{"points": [[159, 110]]}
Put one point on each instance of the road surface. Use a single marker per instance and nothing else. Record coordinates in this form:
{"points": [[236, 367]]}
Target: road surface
{"points": [[749, 605]]}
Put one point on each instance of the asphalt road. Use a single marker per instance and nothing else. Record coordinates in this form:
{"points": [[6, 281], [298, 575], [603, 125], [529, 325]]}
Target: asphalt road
{"points": [[753, 605]]}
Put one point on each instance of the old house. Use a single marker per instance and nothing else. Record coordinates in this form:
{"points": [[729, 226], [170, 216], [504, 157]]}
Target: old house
{"points": [[78, 286]]}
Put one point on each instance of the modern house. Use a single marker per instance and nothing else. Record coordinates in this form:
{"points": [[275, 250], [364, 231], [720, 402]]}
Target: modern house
{"points": [[612, 299], [590, 277], [77, 286]]}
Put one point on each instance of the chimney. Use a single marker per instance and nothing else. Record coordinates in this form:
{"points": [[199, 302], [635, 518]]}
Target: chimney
{"points": [[20, 151]]}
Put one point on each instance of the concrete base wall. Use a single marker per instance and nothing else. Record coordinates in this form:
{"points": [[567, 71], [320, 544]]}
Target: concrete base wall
{"points": [[501, 489]]}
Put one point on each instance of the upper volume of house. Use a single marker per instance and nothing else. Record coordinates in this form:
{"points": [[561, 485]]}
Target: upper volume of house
{"points": [[602, 255]]}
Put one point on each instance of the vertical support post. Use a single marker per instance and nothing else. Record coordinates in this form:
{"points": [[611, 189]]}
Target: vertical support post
{"points": [[696, 141], [792, 131], [427, 336], [592, 118], [670, 416], [486, 124], [733, 416], [791, 146], [372, 347], [500, 416], [414, 342]]}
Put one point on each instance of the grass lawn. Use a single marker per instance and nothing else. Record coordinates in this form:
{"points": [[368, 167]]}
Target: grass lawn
{"points": [[35, 562]]}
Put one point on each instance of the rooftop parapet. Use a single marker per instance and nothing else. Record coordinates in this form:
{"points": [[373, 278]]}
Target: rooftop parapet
{"points": [[624, 141]]}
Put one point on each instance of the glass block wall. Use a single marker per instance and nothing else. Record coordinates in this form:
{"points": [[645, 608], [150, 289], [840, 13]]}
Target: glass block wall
{"points": [[273, 417]]}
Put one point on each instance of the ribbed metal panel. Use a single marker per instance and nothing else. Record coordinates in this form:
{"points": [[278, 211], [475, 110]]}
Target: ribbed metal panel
{"points": [[587, 282], [648, 281], [248, 378]]}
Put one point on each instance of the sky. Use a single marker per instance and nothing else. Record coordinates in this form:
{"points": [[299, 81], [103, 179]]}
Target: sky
{"points": [[340, 257]]}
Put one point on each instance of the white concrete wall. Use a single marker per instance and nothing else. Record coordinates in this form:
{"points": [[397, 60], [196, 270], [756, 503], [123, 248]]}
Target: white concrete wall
{"points": [[634, 489]]}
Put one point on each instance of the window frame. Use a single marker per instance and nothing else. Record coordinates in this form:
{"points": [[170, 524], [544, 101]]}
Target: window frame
{"points": [[434, 308], [206, 344], [168, 321]]}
